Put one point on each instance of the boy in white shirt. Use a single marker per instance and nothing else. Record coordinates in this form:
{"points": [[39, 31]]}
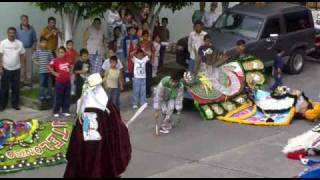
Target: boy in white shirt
{"points": [[139, 81], [11, 53], [194, 42]]}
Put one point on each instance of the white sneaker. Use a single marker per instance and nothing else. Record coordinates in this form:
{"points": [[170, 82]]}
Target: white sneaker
{"points": [[56, 115], [66, 114], [135, 107], [164, 131]]}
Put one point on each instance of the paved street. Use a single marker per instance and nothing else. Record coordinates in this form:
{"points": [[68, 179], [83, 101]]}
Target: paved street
{"points": [[198, 148]]}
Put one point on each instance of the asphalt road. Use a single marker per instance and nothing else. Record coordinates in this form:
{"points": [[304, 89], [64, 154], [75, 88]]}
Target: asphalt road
{"points": [[198, 148]]}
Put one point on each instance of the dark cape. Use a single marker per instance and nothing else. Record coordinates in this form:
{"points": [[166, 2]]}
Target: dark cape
{"points": [[108, 157]]}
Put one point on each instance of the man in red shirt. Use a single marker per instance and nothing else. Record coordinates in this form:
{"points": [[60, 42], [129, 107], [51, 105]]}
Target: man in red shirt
{"points": [[61, 68], [71, 55]]}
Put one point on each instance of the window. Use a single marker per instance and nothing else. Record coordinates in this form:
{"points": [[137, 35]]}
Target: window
{"points": [[297, 21], [239, 24], [272, 27]]}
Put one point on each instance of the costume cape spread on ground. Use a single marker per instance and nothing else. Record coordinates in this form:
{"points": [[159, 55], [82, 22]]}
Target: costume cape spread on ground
{"points": [[29, 144], [231, 92]]}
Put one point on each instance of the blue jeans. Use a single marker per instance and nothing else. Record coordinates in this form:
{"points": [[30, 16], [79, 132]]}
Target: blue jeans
{"points": [[277, 82], [191, 65], [10, 80], [114, 96], [162, 55], [149, 78], [62, 99], [45, 82], [139, 91]]}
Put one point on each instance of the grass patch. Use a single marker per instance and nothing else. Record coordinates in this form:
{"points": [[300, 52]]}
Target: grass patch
{"points": [[32, 93]]}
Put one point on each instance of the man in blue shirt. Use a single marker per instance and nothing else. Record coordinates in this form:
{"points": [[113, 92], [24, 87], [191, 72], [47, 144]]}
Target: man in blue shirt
{"points": [[28, 36], [277, 69]]}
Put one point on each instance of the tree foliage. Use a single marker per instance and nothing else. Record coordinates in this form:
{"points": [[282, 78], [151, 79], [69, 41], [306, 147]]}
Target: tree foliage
{"points": [[155, 8], [84, 10]]}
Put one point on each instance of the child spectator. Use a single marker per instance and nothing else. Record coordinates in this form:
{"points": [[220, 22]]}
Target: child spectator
{"points": [[147, 47], [71, 56], [112, 80], [240, 48], [81, 71], [194, 42], [106, 63], [60, 68], [42, 58], [209, 57], [113, 20], [144, 27], [164, 34], [203, 53], [130, 43], [139, 81], [277, 69], [118, 44], [156, 46], [128, 21]]}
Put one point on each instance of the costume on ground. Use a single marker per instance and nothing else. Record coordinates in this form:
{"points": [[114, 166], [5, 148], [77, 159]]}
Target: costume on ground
{"points": [[221, 93]]}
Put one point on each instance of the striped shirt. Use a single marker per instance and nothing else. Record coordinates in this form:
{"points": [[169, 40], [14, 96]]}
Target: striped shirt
{"points": [[43, 57]]}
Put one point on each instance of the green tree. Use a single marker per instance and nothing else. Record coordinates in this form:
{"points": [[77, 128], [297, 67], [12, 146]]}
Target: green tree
{"points": [[71, 13]]}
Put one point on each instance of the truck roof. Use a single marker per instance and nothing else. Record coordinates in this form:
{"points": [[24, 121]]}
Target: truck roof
{"points": [[271, 9]]}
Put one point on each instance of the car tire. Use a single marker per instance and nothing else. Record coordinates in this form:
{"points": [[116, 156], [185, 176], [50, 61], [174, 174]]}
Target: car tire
{"points": [[296, 62]]}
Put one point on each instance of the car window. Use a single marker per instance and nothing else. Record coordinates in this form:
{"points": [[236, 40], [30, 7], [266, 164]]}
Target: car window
{"points": [[240, 24], [272, 27], [297, 21]]}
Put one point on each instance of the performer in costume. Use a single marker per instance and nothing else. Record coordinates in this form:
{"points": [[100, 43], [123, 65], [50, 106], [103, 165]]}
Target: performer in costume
{"points": [[168, 96], [99, 144]]}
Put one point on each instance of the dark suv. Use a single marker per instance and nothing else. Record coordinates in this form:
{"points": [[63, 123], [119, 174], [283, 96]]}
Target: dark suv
{"points": [[291, 24]]}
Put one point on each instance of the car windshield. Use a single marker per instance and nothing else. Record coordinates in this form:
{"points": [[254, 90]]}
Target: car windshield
{"points": [[240, 24]]}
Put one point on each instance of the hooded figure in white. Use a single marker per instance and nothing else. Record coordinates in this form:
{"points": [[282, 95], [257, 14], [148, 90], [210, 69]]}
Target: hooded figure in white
{"points": [[93, 96]]}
